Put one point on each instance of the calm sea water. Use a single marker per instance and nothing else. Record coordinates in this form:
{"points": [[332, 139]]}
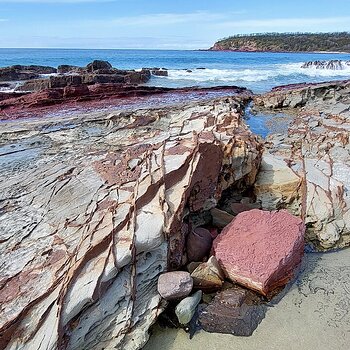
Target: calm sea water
{"points": [[257, 71]]}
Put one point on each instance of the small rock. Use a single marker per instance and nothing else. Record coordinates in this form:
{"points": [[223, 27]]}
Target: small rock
{"points": [[221, 218], [208, 276], [234, 311], [198, 244], [187, 307], [175, 285]]}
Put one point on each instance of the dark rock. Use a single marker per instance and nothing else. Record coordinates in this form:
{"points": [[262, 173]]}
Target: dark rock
{"points": [[34, 85], [65, 68], [18, 72], [160, 72], [97, 64], [189, 71], [234, 311], [220, 218], [75, 91], [332, 64], [198, 244], [65, 80]]}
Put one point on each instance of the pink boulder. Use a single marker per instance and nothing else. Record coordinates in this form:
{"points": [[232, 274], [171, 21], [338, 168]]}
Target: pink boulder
{"points": [[260, 250]]}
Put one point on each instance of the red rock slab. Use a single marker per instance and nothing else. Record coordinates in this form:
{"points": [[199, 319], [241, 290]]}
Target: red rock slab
{"points": [[260, 249]]}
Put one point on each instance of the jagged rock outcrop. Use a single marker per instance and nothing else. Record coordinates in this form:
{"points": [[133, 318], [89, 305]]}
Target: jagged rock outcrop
{"points": [[317, 150], [332, 64], [329, 97], [96, 72], [92, 211], [103, 96], [19, 72]]}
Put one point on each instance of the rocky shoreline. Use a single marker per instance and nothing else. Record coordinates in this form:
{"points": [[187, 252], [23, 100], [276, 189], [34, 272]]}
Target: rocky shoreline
{"points": [[147, 200]]}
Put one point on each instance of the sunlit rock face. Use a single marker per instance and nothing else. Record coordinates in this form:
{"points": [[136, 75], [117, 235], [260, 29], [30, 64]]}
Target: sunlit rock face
{"points": [[92, 211], [316, 150]]}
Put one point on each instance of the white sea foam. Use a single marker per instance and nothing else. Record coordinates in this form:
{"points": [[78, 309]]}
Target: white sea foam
{"points": [[254, 75]]}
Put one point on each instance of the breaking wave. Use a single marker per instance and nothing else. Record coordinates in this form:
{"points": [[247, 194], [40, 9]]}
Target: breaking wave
{"points": [[254, 75]]}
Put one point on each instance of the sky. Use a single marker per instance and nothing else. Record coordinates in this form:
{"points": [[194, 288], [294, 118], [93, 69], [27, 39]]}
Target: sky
{"points": [[159, 24]]}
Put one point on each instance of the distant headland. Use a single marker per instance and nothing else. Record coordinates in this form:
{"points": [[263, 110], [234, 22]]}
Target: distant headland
{"points": [[285, 42]]}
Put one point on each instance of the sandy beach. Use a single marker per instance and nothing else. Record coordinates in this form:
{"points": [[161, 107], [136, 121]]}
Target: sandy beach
{"points": [[312, 313]]}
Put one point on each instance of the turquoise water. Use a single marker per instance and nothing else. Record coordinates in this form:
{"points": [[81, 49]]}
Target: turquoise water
{"points": [[257, 71]]}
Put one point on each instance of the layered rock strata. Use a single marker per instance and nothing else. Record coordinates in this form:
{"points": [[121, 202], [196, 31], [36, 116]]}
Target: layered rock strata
{"points": [[93, 210], [316, 150]]}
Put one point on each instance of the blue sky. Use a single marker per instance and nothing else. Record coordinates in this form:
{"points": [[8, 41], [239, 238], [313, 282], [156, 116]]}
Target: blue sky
{"points": [[159, 24]]}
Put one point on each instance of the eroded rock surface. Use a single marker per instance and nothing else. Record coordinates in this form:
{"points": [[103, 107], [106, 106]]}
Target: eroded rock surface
{"points": [[92, 211], [316, 149]]}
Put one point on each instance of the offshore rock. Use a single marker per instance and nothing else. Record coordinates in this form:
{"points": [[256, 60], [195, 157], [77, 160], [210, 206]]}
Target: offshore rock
{"points": [[261, 250], [91, 213], [234, 311], [175, 285], [332, 64], [18, 72], [186, 309], [317, 150]]}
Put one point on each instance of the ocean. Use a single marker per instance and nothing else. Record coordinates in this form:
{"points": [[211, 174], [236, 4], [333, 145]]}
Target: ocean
{"points": [[256, 71]]}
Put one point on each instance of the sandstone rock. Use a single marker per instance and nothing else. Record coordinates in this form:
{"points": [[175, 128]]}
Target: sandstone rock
{"points": [[261, 249], [220, 218], [208, 276], [175, 285], [317, 150], [198, 244], [187, 307], [234, 311], [277, 186], [91, 213]]}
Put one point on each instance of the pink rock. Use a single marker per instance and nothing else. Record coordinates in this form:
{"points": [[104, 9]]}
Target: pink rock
{"points": [[175, 285], [261, 249]]}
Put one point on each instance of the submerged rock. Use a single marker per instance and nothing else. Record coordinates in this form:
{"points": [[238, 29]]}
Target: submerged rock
{"points": [[261, 250], [234, 311], [187, 307], [175, 285]]}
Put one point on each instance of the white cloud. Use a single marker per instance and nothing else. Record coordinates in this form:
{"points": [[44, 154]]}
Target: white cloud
{"points": [[289, 24], [159, 19]]}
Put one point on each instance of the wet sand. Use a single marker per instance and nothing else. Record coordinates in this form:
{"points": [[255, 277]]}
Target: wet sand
{"points": [[311, 313]]}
